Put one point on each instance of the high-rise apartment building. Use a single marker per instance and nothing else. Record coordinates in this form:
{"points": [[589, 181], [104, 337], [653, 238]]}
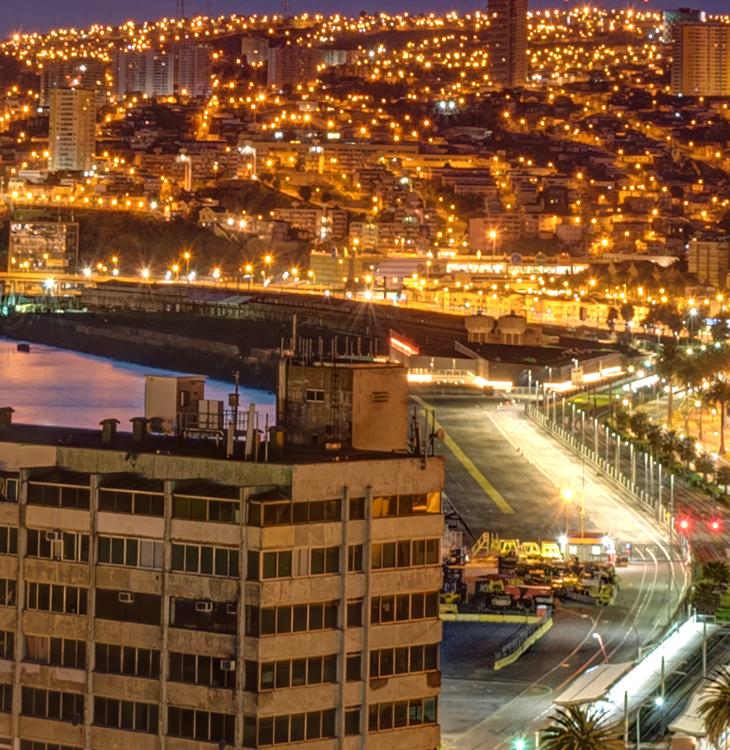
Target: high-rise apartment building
{"points": [[157, 594], [193, 68], [506, 41], [72, 130], [289, 66], [255, 49], [673, 17], [85, 73], [709, 259], [701, 59], [149, 72]]}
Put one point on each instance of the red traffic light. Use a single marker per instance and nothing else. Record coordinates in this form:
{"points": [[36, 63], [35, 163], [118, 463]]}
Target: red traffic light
{"points": [[683, 524], [715, 525]]}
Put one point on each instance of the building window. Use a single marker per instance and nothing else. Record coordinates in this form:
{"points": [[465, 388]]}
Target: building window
{"points": [[59, 652], [314, 396], [8, 540], [7, 644], [386, 662], [136, 503], [195, 669], [283, 730], [127, 660], [9, 489], [7, 592], [52, 704], [211, 561], [36, 745], [403, 607], [51, 597], [353, 669], [276, 564], [324, 560], [203, 726], [57, 545], [281, 513], [58, 496], [385, 716], [213, 617], [292, 563], [135, 553], [290, 673], [128, 606], [354, 558], [203, 509], [389, 506], [352, 721], [296, 618], [354, 613], [6, 698], [129, 715], [405, 553], [357, 508]]}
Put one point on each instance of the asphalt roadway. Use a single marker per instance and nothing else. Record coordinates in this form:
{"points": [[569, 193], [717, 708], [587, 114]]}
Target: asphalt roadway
{"points": [[505, 475]]}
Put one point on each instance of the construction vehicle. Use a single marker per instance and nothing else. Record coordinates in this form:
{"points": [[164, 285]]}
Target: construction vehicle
{"points": [[523, 575]]}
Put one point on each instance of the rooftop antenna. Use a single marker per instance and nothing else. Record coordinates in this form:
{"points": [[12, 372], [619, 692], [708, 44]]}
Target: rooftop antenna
{"points": [[180, 10], [284, 12]]}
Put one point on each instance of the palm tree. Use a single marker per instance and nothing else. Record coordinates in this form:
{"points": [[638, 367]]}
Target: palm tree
{"points": [[687, 450], [715, 707], [578, 728], [655, 438], [639, 422], [704, 465], [723, 477], [668, 366], [692, 368], [719, 394]]}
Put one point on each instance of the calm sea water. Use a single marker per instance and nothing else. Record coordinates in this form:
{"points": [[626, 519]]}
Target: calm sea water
{"points": [[60, 387]]}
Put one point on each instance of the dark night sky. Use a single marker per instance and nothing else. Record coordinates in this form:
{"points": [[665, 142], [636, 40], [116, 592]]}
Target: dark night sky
{"points": [[45, 14]]}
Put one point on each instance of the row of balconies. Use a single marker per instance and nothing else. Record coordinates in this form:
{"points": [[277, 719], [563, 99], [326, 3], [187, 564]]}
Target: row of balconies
{"points": [[267, 648], [267, 703], [272, 537], [264, 593], [414, 738]]}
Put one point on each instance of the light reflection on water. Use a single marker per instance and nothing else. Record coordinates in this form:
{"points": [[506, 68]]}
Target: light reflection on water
{"points": [[52, 386]]}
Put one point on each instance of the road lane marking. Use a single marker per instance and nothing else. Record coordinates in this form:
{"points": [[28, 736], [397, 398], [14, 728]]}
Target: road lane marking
{"points": [[490, 490]]}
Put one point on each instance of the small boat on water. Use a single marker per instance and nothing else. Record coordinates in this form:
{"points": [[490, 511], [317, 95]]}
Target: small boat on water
{"points": [[23, 347]]}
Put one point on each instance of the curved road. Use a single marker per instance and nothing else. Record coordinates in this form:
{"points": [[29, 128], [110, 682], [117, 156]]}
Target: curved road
{"points": [[504, 474]]}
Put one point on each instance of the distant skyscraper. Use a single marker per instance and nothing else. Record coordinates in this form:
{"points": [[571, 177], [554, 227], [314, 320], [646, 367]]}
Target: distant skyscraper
{"points": [[72, 130], [507, 41], [193, 67], [701, 59], [86, 73]]}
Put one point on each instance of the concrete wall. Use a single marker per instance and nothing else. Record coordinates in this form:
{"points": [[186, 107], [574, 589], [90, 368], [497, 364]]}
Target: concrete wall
{"points": [[380, 409]]}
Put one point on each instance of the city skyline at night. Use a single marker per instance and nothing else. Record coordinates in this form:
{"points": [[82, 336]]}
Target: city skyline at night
{"points": [[44, 15], [364, 376]]}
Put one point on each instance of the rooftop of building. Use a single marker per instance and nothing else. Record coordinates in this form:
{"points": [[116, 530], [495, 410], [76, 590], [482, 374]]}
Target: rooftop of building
{"points": [[174, 445]]}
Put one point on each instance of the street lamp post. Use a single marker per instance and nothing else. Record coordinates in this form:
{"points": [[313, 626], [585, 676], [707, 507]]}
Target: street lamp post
{"points": [[567, 495], [598, 637], [658, 703]]}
